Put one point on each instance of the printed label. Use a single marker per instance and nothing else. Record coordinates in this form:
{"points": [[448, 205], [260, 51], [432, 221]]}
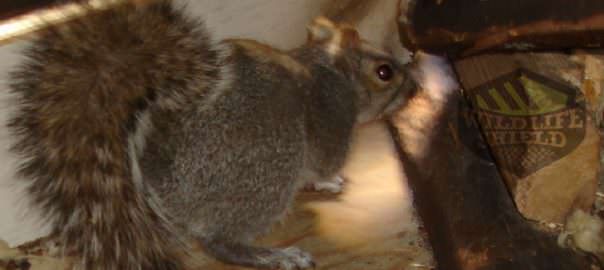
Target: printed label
{"points": [[529, 120]]}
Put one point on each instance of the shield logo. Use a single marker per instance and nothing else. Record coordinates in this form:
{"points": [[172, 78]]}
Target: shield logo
{"points": [[529, 120]]}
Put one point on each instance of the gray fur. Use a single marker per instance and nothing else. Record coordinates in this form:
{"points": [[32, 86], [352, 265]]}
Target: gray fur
{"points": [[137, 132]]}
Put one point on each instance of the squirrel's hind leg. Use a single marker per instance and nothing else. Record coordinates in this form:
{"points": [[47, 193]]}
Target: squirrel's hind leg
{"points": [[228, 232], [241, 210], [228, 251]]}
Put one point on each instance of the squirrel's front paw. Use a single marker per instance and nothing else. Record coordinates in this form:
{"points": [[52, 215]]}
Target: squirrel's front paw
{"points": [[291, 258], [334, 185]]}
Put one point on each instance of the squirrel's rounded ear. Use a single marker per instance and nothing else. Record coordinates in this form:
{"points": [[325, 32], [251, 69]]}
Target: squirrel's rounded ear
{"points": [[333, 37], [321, 30]]}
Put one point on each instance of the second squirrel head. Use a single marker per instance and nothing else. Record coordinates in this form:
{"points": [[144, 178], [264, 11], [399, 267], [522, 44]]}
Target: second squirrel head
{"points": [[381, 81]]}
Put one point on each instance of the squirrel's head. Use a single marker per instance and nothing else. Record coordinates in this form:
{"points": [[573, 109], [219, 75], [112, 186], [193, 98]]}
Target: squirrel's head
{"points": [[382, 82]]}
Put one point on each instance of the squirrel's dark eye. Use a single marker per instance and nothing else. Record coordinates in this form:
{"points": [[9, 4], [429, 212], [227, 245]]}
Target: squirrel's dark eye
{"points": [[385, 72]]}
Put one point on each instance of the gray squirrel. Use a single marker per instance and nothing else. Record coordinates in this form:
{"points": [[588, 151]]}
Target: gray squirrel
{"points": [[137, 132]]}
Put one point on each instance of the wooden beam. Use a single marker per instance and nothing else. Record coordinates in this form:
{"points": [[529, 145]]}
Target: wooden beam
{"points": [[468, 27], [10, 9], [22, 18], [470, 220]]}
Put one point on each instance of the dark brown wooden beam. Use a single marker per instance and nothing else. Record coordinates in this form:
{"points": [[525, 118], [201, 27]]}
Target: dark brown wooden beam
{"points": [[10, 9], [468, 27]]}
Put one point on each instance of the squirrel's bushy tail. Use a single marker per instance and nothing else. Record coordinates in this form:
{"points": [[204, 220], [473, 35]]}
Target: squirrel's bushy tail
{"points": [[85, 92]]}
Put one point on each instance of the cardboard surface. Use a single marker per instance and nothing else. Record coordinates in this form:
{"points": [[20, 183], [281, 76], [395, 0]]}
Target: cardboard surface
{"points": [[532, 110]]}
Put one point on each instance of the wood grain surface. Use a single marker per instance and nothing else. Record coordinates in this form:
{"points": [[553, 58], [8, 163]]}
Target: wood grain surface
{"points": [[468, 27]]}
